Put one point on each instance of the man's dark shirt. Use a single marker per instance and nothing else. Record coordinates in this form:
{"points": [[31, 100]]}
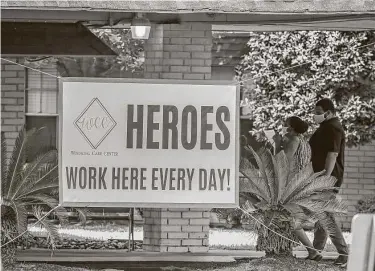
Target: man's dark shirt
{"points": [[329, 137]]}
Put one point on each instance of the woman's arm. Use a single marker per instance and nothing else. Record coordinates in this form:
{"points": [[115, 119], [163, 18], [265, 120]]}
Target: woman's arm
{"points": [[290, 147]]}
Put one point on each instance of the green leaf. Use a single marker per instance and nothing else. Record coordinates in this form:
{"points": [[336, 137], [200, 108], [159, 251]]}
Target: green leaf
{"points": [[21, 216], [52, 231]]}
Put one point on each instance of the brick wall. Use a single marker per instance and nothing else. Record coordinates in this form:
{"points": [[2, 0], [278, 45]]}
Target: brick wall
{"points": [[178, 52], [359, 179], [176, 230], [12, 101]]}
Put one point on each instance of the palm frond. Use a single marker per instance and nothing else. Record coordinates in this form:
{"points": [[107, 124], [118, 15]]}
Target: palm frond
{"points": [[82, 215], [293, 208], [270, 168], [17, 160], [265, 159], [45, 178], [249, 196], [34, 171], [55, 191], [46, 155], [332, 205], [252, 182], [320, 184], [20, 215], [325, 220], [251, 185], [282, 172], [35, 144], [222, 213], [50, 201], [249, 207], [45, 188], [44, 199], [262, 169], [3, 160], [52, 231], [299, 181]]}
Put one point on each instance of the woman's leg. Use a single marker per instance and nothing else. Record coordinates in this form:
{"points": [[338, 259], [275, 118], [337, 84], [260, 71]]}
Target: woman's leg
{"points": [[313, 254]]}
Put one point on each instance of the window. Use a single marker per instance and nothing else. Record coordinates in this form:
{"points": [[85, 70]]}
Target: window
{"points": [[42, 92], [42, 105]]}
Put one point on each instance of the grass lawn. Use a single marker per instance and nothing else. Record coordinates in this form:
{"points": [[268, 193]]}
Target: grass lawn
{"points": [[219, 238]]}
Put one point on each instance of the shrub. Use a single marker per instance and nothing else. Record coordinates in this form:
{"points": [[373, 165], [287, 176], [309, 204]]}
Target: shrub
{"points": [[366, 206], [281, 197], [285, 73], [27, 186]]}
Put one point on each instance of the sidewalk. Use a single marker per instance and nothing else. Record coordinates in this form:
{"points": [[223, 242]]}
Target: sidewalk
{"points": [[79, 256]]}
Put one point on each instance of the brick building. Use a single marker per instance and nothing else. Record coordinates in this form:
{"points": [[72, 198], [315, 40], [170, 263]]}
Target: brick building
{"points": [[180, 50]]}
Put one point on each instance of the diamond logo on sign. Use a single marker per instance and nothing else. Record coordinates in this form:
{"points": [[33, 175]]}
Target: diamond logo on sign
{"points": [[95, 123]]}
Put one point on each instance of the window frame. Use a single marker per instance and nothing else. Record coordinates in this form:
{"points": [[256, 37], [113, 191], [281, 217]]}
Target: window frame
{"points": [[26, 96]]}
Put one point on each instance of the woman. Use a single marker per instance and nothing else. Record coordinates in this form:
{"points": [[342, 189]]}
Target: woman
{"points": [[298, 152], [294, 144]]}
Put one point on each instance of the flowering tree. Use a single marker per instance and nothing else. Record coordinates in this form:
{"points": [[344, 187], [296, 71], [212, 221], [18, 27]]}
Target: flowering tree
{"points": [[285, 73], [130, 57]]}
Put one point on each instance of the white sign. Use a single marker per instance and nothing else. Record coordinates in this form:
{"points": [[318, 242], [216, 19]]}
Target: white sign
{"points": [[362, 249], [148, 143]]}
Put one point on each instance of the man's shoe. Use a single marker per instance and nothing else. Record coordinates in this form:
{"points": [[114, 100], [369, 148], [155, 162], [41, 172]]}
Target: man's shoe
{"points": [[341, 260], [345, 265]]}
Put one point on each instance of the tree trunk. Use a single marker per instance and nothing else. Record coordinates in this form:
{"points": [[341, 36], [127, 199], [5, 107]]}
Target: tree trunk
{"points": [[274, 244]]}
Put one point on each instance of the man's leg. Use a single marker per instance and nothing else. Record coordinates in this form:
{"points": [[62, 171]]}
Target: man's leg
{"points": [[320, 237], [338, 240]]}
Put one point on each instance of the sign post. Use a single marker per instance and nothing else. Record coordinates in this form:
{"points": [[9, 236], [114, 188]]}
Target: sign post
{"points": [[149, 144]]}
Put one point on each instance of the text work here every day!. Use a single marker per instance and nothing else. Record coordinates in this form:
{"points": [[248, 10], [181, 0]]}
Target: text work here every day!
{"points": [[136, 178]]}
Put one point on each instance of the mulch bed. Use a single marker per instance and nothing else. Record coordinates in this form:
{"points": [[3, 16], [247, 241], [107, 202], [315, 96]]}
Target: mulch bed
{"points": [[41, 267], [68, 243]]}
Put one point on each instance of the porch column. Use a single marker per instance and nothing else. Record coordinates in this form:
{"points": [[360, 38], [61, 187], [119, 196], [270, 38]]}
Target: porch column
{"points": [[178, 52]]}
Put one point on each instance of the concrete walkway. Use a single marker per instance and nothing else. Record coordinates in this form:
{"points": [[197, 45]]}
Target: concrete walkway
{"points": [[80, 256]]}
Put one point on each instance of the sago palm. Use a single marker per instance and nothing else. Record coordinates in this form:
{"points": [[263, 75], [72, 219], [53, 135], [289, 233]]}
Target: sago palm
{"points": [[27, 187], [282, 197]]}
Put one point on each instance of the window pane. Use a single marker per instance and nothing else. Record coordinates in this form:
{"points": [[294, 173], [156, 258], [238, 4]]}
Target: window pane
{"points": [[42, 91], [46, 137], [34, 79], [48, 81], [33, 101], [49, 98]]}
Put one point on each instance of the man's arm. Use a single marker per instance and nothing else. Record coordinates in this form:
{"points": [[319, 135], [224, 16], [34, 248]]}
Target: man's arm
{"points": [[330, 162], [333, 143]]}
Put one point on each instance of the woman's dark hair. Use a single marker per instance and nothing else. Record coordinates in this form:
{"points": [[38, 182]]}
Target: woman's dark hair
{"points": [[298, 125]]}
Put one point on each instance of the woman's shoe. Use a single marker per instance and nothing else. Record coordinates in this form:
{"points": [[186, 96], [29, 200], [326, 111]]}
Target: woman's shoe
{"points": [[317, 257]]}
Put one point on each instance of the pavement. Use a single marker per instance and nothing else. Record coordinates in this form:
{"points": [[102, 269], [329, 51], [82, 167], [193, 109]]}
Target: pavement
{"points": [[123, 256]]}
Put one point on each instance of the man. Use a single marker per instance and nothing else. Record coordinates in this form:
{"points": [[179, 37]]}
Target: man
{"points": [[328, 150]]}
